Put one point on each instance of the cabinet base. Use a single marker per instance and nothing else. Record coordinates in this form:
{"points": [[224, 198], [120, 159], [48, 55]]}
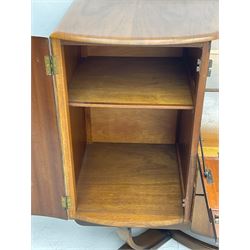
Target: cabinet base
{"points": [[155, 238]]}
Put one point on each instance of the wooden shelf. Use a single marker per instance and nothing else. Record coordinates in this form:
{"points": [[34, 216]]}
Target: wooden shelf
{"points": [[129, 185], [133, 82]]}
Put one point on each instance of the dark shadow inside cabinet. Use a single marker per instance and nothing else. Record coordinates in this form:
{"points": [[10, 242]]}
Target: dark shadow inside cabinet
{"points": [[131, 117]]}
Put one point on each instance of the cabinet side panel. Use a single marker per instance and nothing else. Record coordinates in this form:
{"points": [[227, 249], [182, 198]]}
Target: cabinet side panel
{"points": [[78, 133], [47, 170], [191, 121], [185, 127], [72, 57]]}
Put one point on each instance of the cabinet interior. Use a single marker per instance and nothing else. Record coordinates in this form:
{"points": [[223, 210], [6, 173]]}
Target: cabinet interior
{"points": [[131, 116]]}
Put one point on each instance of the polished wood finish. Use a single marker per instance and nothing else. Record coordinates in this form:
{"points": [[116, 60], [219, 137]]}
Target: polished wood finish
{"points": [[79, 137], [135, 81], [64, 124], [183, 135], [130, 185], [189, 120], [186, 119], [47, 170], [200, 216], [150, 239], [140, 22], [72, 57], [200, 219], [126, 77], [135, 51], [121, 77], [133, 125], [212, 190], [199, 97]]}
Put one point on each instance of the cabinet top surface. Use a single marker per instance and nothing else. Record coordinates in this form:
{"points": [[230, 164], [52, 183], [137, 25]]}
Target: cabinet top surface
{"points": [[140, 22]]}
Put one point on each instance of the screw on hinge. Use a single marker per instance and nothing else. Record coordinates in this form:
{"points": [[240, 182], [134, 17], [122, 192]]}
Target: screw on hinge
{"points": [[66, 202], [183, 202], [216, 219], [198, 65], [50, 65]]}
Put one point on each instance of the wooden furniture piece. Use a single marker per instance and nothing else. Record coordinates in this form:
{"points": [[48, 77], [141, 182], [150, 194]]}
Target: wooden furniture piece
{"points": [[116, 120]]}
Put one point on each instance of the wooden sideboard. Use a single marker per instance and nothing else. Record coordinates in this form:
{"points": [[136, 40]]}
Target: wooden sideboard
{"points": [[117, 100]]}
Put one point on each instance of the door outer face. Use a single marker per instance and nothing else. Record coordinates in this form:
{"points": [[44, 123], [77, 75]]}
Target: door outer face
{"points": [[47, 168]]}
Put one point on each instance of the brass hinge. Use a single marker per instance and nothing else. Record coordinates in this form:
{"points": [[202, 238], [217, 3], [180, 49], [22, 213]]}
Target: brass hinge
{"points": [[66, 202], [50, 65]]}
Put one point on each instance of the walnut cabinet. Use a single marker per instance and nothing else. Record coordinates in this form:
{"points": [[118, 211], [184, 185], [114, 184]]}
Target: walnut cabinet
{"points": [[117, 99]]}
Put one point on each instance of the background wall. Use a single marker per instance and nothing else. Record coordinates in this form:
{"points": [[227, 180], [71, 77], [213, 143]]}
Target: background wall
{"points": [[46, 14]]}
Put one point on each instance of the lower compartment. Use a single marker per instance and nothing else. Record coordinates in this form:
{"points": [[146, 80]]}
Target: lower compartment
{"points": [[128, 184]]}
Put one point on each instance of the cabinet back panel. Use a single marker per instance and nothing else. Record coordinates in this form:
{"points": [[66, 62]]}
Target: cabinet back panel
{"points": [[131, 51], [133, 125]]}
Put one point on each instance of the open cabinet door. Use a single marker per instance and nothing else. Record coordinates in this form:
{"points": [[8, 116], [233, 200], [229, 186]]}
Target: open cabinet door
{"points": [[47, 168]]}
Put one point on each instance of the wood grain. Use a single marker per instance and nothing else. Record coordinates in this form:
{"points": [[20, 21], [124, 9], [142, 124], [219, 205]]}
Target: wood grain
{"points": [[72, 56], [212, 190], [140, 22], [104, 195], [137, 81], [200, 218], [150, 239], [133, 125], [47, 169], [184, 134], [79, 137], [128, 51], [64, 125], [199, 97], [130, 185]]}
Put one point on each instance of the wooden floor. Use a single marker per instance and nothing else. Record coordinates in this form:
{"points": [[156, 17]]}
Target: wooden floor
{"points": [[131, 81], [130, 185]]}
